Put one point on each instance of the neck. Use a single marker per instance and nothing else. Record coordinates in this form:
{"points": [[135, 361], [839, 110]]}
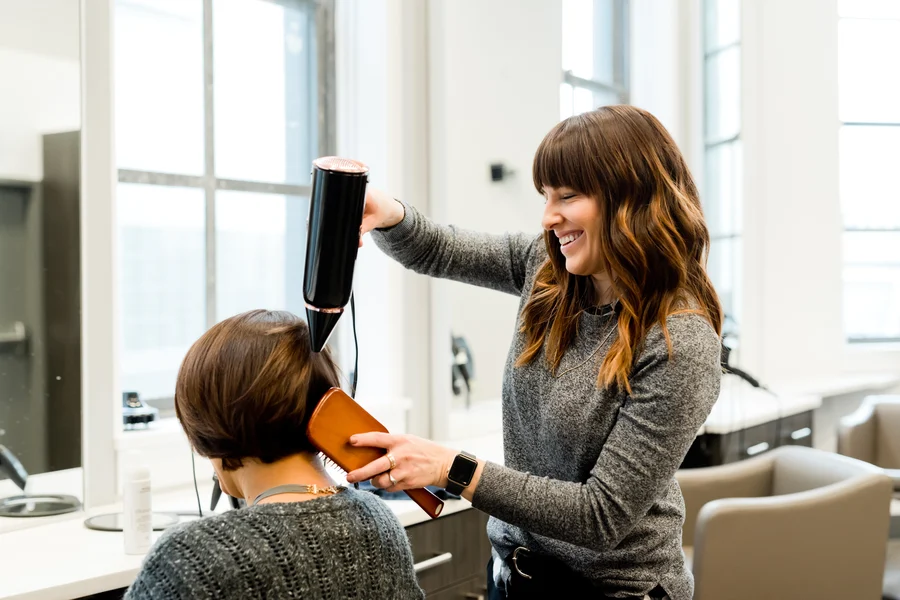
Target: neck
{"points": [[256, 477], [603, 289]]}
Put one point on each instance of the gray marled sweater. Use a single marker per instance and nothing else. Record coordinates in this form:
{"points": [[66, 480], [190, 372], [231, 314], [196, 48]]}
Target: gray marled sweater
{"points": [[339, 547], [589, 475]]}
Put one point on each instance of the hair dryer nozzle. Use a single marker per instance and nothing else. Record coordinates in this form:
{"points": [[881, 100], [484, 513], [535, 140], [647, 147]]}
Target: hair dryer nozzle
{"points": [[321, 324]]}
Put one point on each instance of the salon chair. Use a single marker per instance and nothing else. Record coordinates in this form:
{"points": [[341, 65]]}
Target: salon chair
{"points": [[794, 523], [872, 434]]}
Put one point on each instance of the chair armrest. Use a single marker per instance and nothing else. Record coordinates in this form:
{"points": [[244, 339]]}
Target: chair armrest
{"points": [[856, 433], [894, 474], [793, 537], [748, 478]]}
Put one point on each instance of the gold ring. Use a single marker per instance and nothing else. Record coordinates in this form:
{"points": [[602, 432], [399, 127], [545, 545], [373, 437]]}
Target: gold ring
{"points": [[393, 462]]}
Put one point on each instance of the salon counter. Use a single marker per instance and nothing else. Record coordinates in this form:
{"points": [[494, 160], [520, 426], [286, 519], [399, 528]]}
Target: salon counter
{"points": [[57, 557], [50, 558], [64, 559]]}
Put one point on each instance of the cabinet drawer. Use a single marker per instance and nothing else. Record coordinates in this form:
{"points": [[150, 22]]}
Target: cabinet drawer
{"points": [[752, 441], [796, 430], [471, 589], [451, 549]]}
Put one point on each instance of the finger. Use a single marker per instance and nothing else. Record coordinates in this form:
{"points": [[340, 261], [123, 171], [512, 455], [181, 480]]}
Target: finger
{"points": [[376, 439], [379, 465], [382, 481]]}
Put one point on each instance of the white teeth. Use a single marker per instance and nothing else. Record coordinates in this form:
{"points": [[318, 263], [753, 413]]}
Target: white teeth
{"points": [[568, 239]]}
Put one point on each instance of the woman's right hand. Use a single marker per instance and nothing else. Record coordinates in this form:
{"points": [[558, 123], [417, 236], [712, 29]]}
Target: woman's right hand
{"points": [[381, 211]]}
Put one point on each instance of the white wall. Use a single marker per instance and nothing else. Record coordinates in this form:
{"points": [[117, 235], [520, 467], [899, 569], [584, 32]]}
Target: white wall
{"points": [[792, 265], [45, 27], [495, 67], [381, 107], [39, 80], [793, 225], [660, 72]]}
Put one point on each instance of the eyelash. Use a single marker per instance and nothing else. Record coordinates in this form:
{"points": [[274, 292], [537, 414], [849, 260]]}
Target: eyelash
{"points": [[564, 198]]}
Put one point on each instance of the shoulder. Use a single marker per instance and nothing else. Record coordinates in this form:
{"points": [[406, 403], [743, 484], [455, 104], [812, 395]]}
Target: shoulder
{"points": [[537, 250], [535, 256], [178, 544], [373, 512], [175, 559], [373, 518], [692, 349], [688, 332]]}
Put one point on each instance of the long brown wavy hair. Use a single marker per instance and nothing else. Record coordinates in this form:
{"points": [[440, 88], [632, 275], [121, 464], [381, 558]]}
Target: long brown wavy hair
{"points": [[653, 238]]}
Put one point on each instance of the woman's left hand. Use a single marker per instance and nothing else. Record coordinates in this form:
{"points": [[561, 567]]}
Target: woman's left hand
{"points": [[417, 462]]}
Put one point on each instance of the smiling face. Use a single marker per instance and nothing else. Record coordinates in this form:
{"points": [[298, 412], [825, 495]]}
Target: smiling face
{"points": [[574, 219]]}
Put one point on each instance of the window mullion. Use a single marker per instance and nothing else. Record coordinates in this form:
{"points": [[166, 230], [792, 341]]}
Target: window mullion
{"points": [[209, 171]]}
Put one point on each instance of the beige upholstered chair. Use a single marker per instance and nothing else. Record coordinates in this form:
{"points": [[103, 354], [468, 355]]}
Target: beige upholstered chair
{"points": [[872, 434], [794, 523]]}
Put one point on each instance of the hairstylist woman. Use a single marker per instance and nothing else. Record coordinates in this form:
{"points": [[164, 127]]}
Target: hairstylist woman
{"points": [[613, 369]]}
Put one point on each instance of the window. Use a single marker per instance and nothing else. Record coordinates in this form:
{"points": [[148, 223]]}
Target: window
{"points": [[216, 129], [869, 142], [595, 55], [722, 183]]}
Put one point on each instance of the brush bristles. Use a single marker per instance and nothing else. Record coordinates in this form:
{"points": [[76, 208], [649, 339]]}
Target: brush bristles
{"points": [[330, 463]]}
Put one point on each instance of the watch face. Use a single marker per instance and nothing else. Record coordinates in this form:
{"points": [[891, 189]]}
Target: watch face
{"points": [[462, 469]]}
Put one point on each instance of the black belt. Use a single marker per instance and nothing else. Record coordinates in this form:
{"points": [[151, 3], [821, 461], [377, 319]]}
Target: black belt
{"points": [[538, 575], [535, 575]]}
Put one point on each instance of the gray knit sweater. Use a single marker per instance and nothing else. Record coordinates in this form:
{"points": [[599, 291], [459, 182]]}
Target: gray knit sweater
{"points": [[589, 475], [339, 547]]}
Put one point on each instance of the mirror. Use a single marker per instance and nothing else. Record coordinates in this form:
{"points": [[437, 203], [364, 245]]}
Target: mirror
{"points": [[40, 332]]}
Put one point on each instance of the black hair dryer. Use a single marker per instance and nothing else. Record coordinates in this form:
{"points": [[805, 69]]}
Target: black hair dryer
{"points": [[336, 208]]}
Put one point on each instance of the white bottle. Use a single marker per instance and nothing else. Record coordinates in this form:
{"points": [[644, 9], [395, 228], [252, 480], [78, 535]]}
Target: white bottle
{"points": [[137, 518]]}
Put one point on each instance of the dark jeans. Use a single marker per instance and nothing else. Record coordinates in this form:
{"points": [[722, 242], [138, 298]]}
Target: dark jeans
{"points": [[493, 593], [524, 594]]}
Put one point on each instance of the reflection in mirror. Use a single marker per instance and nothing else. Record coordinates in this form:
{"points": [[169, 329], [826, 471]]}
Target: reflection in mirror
{"points": [[40, 364]]}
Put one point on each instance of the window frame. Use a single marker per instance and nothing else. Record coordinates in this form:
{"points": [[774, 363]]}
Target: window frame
{"points": [[711, 144], [891, 342], [621, 58], [209, 182], [103, 437]]}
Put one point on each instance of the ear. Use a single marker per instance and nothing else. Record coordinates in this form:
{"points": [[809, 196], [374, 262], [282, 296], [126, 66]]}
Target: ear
{"points": [[226, 481]]}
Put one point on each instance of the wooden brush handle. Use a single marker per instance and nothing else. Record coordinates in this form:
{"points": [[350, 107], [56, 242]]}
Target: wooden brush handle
{"points": [[428, 502]]}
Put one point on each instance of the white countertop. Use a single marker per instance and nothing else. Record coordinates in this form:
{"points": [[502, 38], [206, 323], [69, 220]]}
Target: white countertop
{"points": [[68, 482], [839, 384], [57, 557], [63, 559], [740, 405]]}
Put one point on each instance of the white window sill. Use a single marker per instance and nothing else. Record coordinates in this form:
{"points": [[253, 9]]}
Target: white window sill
{"points": [[849, 382], [877, 359]]}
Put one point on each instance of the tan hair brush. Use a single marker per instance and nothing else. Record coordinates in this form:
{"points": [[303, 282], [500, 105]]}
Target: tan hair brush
{"points": [[334, 420]]}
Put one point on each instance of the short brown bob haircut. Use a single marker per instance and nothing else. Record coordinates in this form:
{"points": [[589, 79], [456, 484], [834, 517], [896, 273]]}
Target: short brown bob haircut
{"points": [[247, 387]]}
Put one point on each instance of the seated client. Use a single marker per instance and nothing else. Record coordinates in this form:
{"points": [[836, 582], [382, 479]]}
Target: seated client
{"points": [[244, 395]]}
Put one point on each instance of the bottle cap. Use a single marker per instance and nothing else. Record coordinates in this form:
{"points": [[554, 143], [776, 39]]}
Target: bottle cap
{"points": [[135, 466]]}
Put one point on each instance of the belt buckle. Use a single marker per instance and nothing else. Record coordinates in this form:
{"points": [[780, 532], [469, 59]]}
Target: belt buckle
{"points": [[515, 561]]}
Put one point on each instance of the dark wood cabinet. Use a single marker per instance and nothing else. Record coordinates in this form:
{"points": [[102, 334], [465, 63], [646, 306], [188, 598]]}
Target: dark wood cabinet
{"points": [[710, 449], [451, 554], [472, 589]]}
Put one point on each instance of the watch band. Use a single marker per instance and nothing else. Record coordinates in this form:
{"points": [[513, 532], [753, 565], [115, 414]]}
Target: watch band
{"points": [[461, 472]]}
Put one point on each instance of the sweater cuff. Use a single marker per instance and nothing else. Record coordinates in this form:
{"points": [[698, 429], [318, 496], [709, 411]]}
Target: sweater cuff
{"points": [[405, 223], [498, 491]]}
